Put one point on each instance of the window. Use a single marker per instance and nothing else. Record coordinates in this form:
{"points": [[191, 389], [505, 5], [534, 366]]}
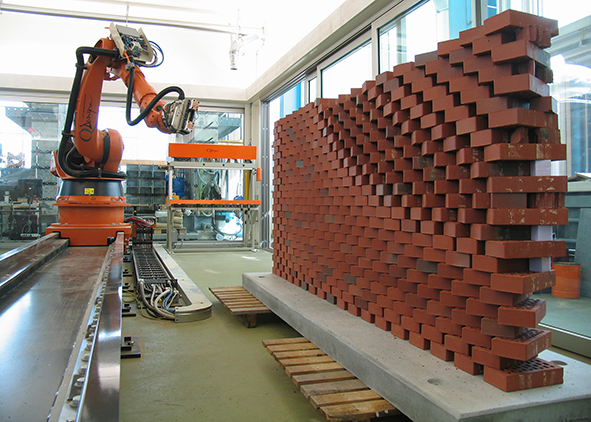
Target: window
{"points": [[312, 83], [351, 71], [571, 89], [401, 39], [273, 110]]}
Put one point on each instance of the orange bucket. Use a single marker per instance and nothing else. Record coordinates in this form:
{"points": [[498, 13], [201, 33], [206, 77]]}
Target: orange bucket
{"points": [[568, 280]]}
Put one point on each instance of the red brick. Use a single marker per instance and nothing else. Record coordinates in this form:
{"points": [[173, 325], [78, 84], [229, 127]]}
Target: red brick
{"points": [[429, 332], [431, 120], [391, 316], [484, 356], [445, 103], [523, 86], [447, 326], [525, 249], [473, 336], [367, 316], [437, 91], [460, 317], [471, 216], [434, 307], [508, 200], [491, 327], [466, 363], [425, 292], [438, 350], [468, 36], [520, 50], [445, 47], [512, 19], [448, 299], [399, 332], [524, 347], [522, 117], [456, 345], [527, 217], [409, 324], [525, 314], [525, 375], [484, 45], [475, 307], [382, 323], [437, 282], [444, 242], [486, 137], [421, 316], [448, 271], [521, 283], [419, 341], [457, 259], [494, 297], [467, 245], [454, 143], [415, 301], [474, 63], [531, 184], [465, 289]]}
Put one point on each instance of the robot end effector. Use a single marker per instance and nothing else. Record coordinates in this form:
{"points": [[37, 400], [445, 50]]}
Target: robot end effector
{"points": [[178, 115]]}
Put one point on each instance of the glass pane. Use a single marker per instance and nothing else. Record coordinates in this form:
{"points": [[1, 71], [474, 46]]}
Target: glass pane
{"points": [[401, 40], [388, 49], [278, 108], [347, 73], [29, 132], [569, 301], [492, 8], [312, 89], [414, 36]]}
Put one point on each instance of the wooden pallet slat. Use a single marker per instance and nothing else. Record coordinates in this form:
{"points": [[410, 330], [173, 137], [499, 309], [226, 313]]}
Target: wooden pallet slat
{"points": [[332, 399], [298, 353], [304, 360], [284, 341], [291, 347], [317, 367], [359, 410], [241, 303], [320, 377], [309, 390], [337, 393]]}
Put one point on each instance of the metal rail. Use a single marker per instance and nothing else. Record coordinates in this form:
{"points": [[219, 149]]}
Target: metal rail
{"points": [[60, 332], [17, 264]]}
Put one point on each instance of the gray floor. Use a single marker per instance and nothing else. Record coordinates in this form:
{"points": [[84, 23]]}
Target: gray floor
{"points": [[212, 370]]}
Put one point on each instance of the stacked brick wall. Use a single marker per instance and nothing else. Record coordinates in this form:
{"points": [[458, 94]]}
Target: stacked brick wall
{"points": [[423, 201]]}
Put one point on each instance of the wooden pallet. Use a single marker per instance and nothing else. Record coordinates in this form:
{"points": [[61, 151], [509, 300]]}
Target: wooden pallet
{"points": [[241, 303], [338, 394]]}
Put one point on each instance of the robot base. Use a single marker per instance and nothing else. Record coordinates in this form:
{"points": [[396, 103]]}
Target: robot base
{"points": [[90, 212]]}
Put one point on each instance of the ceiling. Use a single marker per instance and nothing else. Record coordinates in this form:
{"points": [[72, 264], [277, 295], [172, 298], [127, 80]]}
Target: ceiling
{"points": [[195, 36]]}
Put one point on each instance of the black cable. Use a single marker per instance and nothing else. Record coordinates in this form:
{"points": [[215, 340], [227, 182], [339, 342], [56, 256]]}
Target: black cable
{"points": [[152, 103], [66, 146]]}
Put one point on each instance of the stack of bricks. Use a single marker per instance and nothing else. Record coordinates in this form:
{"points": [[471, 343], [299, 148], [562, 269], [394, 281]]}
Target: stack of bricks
{"points": [[423, 201]]}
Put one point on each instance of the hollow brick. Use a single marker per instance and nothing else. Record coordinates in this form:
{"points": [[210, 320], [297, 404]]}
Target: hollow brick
{"points": [[524, 347], [525, 375]]}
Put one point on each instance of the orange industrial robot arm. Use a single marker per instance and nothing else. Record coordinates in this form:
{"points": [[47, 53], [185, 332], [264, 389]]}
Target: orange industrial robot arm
{"points": [[87, 152]]}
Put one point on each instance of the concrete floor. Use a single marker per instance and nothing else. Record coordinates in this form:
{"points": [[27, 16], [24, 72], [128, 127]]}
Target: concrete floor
{"points": [[211, 370]]}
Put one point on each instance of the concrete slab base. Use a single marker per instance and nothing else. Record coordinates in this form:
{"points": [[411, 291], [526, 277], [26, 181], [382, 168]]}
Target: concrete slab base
{"points": [[422, 386]]}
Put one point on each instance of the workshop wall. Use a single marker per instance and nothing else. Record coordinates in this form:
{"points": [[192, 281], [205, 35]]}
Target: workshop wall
{"points": [[423, 201]]}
